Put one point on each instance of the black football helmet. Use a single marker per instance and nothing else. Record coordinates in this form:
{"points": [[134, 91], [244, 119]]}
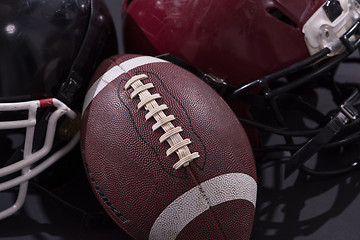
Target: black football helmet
{"points": [[49, 50]]}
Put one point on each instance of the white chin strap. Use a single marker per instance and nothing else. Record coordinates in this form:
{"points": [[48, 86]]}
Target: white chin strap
{"points": [[30, 157]]}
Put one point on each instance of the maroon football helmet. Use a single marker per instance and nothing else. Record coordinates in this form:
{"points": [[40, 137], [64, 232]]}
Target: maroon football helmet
{"points": [[268, 58], [239, 41]]}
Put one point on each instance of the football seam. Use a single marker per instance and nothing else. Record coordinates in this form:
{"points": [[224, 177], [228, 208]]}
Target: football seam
{"points": [[199, 166], [137, 78], [139, 134], [207, 199], [103, 197], [172, 135]]}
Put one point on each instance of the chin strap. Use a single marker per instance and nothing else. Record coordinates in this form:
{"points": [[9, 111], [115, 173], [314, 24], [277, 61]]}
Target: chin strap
{"points": [[349, 111]]}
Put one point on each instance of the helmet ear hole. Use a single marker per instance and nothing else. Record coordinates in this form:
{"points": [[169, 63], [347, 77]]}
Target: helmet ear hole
{"points": [[282, 17]]}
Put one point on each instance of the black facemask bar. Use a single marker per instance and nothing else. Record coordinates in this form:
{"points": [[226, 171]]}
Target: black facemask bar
{"points": [[316, 67]]}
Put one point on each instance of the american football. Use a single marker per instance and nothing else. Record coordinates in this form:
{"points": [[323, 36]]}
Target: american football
{"points": [[164, 154]]}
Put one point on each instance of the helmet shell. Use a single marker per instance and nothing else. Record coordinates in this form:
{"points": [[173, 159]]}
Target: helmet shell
{"points": [[239, 41], [39, 41]]}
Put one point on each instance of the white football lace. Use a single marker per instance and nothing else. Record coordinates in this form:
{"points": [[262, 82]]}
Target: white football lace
{"points": [[172, 133]]}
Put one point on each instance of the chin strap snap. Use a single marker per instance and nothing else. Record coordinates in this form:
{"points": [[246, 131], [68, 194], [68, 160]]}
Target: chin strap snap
{"points": [[349, 111]]}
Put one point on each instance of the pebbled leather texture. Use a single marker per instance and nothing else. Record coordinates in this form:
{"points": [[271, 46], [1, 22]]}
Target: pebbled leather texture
{"points": [[135, 180]]}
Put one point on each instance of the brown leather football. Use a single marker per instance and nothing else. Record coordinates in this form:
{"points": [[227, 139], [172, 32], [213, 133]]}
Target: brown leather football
{"points": [[164, 154]]}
